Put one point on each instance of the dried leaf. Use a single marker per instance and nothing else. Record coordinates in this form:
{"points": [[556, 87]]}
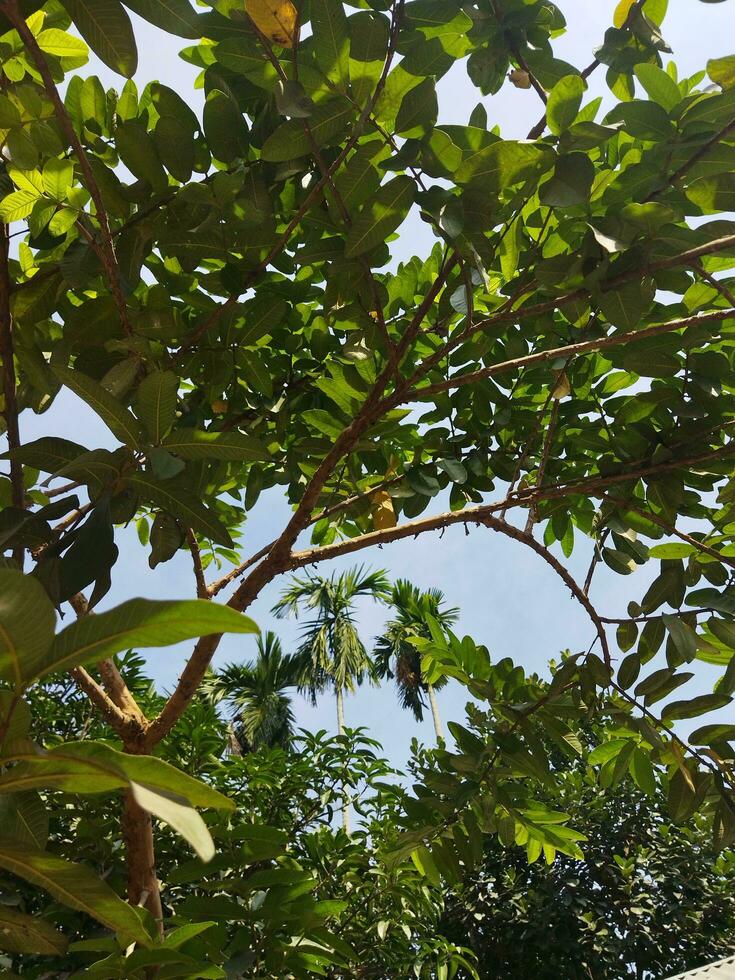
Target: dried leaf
{"points": [[384, 515], [520, 78], [276, 19]]}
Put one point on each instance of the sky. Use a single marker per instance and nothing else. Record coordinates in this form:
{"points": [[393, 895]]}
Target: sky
{"points": [[510, 600]]}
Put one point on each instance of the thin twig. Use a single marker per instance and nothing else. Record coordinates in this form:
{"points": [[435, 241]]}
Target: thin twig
{"points": [[196, 558]]}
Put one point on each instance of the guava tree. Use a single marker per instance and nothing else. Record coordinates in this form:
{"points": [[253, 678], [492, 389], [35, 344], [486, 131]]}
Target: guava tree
{"points": [[219, 289]]}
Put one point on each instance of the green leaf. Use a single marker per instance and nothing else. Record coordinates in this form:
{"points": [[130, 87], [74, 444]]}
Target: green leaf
{"points": [[381, 216], [92, 767], [660, 683], [17, 205], [156, 400], [571, 182], [659, 86], [290, 141], [173, 16], [626, 305], [138, 152], [722, 71], [641, 769], [166, 537], [106, 28], [137, 623], [49, 453], [369, 36], [29, 934], [419, 109], [27, 621], [121, 422], [713, 733], [504, 163], [565, 98], [683, 637], [713, 194], [73, 885], [331, 40], [201, 444], [674, 550], [224, 126], [179, 816], [58, 176], [61, 45], [695, 706]]}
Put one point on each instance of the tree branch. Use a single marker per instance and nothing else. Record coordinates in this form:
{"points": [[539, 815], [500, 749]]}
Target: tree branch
{"points": [[674, 532], [120, 695], [121, 723], [196, 558], [572, 350]]}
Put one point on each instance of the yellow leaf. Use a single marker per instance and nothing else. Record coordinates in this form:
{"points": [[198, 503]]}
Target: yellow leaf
{"points": [[562, 388], [621, 12], [276, 19], [384, 516]]}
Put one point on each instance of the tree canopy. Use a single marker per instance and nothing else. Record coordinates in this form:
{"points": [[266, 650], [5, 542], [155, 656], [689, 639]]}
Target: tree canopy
{"points": [[220, 289]]}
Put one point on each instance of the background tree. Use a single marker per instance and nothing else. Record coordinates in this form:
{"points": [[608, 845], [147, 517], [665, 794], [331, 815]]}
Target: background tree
{"points": [[258, 695], [397, 657], [331, 653], [650, 900]]}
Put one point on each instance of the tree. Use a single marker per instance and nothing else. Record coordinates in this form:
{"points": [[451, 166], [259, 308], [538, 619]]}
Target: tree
{"points": [[258, 695], [651, 898], [331, 653], [324, 888], [397, 657], [217, 287]]}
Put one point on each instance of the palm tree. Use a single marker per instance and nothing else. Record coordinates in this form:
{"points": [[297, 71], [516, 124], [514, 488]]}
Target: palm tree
{"points": [[258, 696], [397, 658], [331, 653]]}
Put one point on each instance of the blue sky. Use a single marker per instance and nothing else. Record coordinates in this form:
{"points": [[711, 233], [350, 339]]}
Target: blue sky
{"points": [[509, 599]]}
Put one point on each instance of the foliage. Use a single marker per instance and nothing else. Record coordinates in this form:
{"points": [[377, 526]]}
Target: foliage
{"points": [[396, 655], [651, 898], [331, 652], [258, 695], [219, 289], [282, 873]]}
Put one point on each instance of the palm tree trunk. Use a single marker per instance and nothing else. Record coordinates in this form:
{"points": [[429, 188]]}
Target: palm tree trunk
{"points": [[340, 712], [340, 731], [435, 713]]}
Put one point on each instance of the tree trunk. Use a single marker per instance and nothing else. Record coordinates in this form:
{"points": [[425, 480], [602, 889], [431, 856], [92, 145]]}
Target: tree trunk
{"points": [[143, 886], [340, 712], [435, 713], [340, 731]]}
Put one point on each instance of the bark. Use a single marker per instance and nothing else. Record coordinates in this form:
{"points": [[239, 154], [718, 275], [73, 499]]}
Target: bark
{"points": [[435, 713], [143, 885], [341, 731]]}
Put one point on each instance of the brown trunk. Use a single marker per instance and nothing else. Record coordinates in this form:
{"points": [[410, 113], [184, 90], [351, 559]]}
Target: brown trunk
{"points": [[143, 886]]}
